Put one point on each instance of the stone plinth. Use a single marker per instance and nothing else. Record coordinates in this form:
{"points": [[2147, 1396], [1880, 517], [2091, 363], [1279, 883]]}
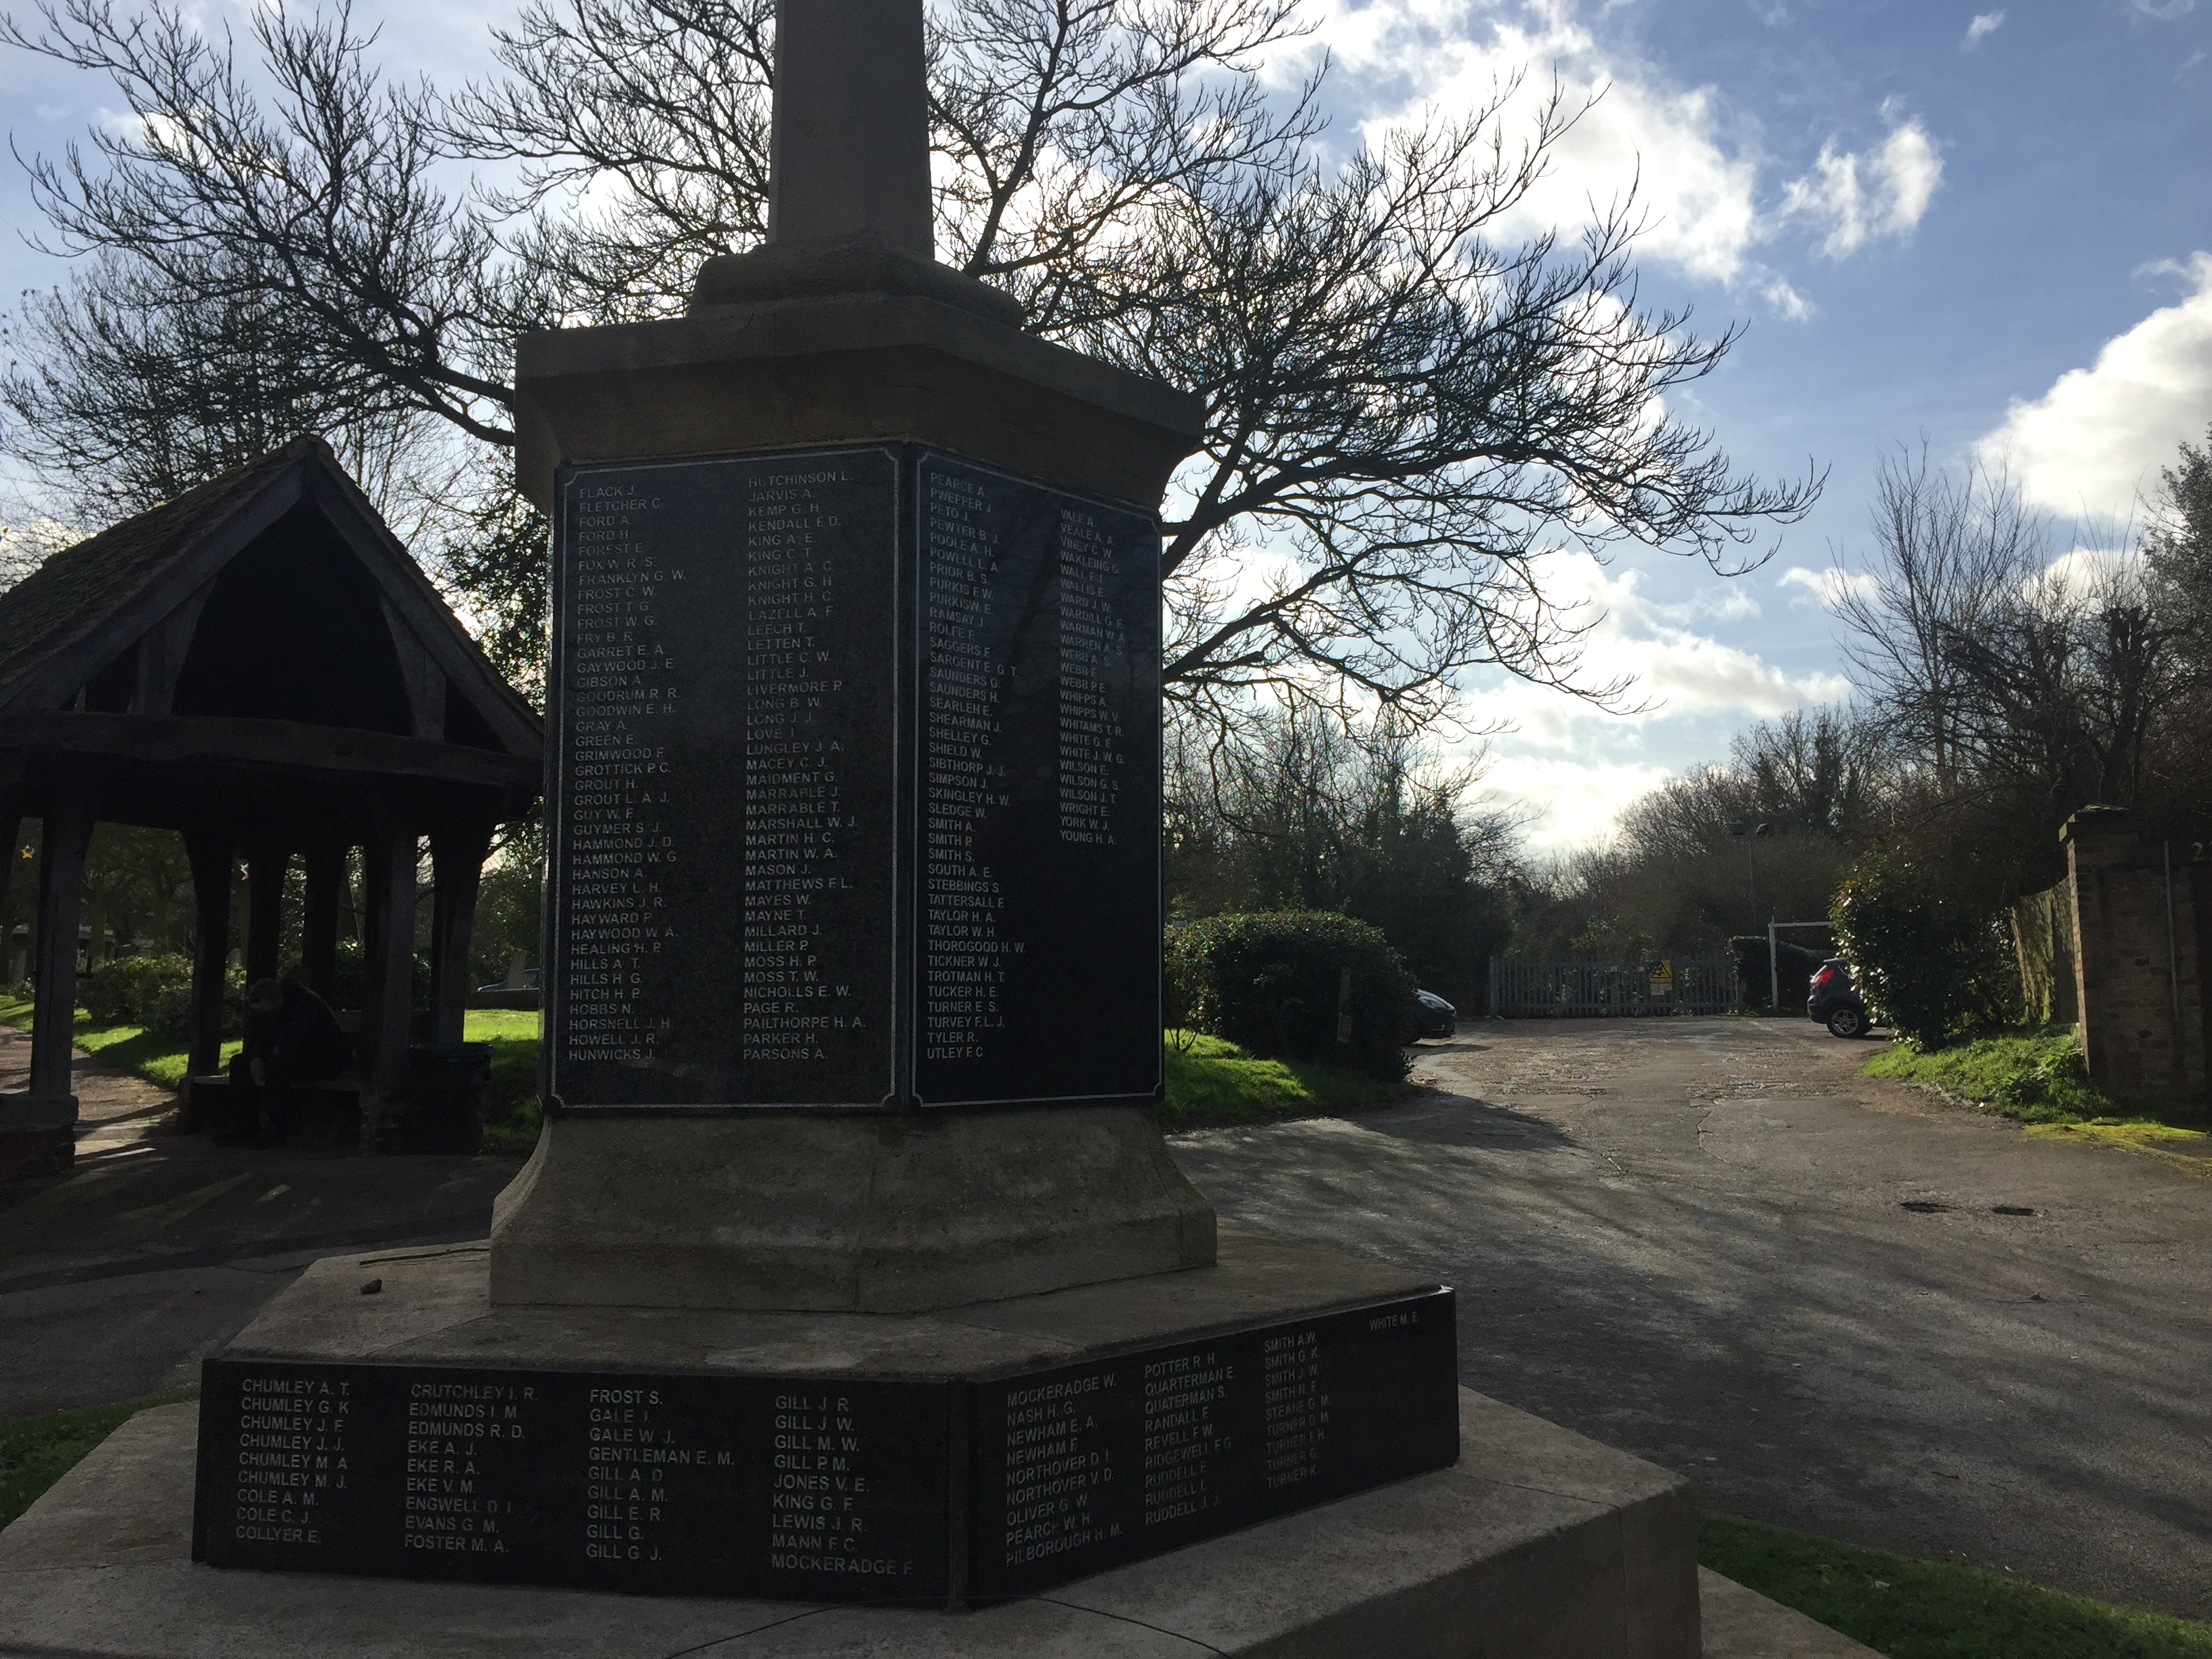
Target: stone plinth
{"points": [[843, 344], [855, 701], [883, 1215]]}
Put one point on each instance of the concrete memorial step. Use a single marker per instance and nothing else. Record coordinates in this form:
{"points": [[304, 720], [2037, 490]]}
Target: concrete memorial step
{"points": [[1537, 1542], [423, 1429]]}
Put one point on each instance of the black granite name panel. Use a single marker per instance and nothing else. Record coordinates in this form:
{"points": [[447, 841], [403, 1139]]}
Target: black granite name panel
{"points": [[814, 1487], [723, 850], [794, 1487], [1038, 948], [1089, 1466]]}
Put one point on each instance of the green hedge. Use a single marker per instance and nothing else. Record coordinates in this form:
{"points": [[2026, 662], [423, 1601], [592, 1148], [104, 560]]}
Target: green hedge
{"points": [[1270, 983], [155, 992], [1931, 965]]}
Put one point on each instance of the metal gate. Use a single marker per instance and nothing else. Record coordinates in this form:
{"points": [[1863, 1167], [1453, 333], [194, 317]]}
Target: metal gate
{"points": [[1616, 988]]}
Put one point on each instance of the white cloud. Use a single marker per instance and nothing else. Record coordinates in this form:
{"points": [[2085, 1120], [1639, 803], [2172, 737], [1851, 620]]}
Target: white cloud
{"points": [[2100, 435], [1568, 802], [1860, 197], [1667, 143], [1692, 159], [2085, 569], [1827, 588], [2162, 9], [1984, 23], [1672, 669]]}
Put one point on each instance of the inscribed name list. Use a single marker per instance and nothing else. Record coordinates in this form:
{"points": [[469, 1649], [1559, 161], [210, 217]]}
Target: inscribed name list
{"points": [[1038, 633], [733, 1486], [720, 857]]}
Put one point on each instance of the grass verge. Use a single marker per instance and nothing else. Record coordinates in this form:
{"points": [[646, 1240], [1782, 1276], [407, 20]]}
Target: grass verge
{"points": [[37, 1451], [1910, 1609], [1213, 1083], [2037, 1078], [2034, 1076]]}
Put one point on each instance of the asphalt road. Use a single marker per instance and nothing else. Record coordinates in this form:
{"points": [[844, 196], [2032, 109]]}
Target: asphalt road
{"points": [[1685, 1238], [1689, 1239]]}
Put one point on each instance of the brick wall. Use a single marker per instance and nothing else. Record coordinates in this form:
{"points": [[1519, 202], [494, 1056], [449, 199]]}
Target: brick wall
{"points": [[2138, 985]]}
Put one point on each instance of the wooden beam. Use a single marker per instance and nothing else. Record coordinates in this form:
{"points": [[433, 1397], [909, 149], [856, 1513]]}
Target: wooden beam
{"points": [[62, 842], [208, 851], [338, 752], [457, 856], [388, 866], [11, 829], [162, 653], [318, 920], [421, 607], [264, 910], [424, 680]]}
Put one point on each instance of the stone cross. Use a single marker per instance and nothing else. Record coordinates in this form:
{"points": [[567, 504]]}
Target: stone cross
{"points": [[848, 149]]}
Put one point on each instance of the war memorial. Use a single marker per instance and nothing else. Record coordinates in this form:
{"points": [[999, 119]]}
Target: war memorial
{"points": [[851, 1302]]}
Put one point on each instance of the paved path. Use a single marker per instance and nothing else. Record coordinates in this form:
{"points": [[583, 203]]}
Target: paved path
{"points": [[157, 1249], [1688, 1238]]}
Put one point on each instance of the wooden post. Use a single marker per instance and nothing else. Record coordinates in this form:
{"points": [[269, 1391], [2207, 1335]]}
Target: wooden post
{"points": [[319, 919], [265, 911], [457, 856], [62, 842], [208, 851], [388, 873], [11, 826]]}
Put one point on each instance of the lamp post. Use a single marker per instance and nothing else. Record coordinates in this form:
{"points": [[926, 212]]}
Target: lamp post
{"points": [[1751, 837]]}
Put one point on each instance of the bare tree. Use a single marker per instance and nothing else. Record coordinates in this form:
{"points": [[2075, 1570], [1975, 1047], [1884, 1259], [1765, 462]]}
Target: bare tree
{"points": [[1403, 415], [130, 396], [2066, 682], [2019, 685], [1949, 555]]}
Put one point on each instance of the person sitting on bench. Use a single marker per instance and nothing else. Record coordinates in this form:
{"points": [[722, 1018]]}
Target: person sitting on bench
{"points": [[291, 1037]]}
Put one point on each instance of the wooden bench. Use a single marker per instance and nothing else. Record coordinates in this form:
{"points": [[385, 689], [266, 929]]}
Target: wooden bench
{"points": [[330, 1112]]}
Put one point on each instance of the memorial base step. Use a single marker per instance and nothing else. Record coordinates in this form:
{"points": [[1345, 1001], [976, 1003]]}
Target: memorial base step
{"points": [[384, 1416], [1538, 1544]]}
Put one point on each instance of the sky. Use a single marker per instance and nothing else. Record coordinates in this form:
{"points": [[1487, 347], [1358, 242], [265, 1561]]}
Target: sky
{"points": [[1981, 227]]}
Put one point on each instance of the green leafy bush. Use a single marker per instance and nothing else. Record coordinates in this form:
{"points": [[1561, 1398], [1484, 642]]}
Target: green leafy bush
{"points": [[1270, 983], [1932, 966], [155, 992]]}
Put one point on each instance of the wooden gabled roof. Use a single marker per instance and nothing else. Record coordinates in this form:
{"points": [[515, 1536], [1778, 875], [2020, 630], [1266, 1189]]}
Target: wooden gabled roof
{"points": [[71, 619]]}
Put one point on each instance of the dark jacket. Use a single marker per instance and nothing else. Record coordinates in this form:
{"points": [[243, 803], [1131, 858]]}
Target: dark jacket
{"points": [[299, 1039]]}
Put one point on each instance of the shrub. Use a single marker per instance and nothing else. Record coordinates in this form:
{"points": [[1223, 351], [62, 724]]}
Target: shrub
{"points": [[155, 992], [1270, 984], [1935, 968]]}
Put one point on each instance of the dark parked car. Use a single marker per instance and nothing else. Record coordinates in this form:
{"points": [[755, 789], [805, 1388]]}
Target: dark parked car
{"points": [[1433, 1016], [1835, 1002]]}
